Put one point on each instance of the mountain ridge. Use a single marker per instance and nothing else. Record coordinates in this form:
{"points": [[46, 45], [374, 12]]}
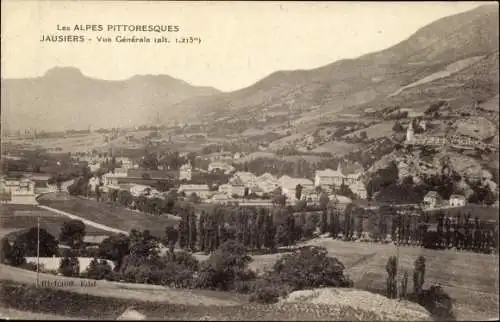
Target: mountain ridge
{"points": [[337, 87]]}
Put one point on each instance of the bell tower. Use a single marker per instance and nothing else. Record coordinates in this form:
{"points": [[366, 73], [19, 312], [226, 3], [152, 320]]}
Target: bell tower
{"points": [[409, 133]]}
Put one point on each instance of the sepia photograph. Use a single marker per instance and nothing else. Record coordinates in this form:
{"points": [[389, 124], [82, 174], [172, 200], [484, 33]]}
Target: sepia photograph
{"points": [[252, 161]]}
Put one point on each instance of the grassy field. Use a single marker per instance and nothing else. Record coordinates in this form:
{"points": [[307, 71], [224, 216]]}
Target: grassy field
{"points": [[337, 147], [108, 214], [19, 217], [470, 279]]}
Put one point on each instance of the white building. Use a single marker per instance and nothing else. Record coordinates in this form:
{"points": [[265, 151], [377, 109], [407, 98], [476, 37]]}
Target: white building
{"points": [[457, 201], [328, 177], [222, 166], [17, 191], [410, 133], [220, 198], [232, 189], [186, 172], [201, 190], [110, 180], [247, 179], [289, 187], [432, 199], [267, 183], [359, 189], [137, 190]]}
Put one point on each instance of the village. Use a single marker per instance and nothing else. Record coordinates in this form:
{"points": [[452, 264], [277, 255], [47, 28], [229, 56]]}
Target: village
{"points": [[220, 183]]}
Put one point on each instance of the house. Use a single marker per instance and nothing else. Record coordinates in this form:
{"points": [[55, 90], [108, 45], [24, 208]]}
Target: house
{"points": [[238, 190], [220, 198], [221, 166], [246, 179], [94, 240], [457, 201], [220, 156], [431, 199], [125, 162], [267, 182], [110, 179], [344, 174], [17, 190], [186, 172], [93, 182], [137, 190], [289, 186], [232, 189], [226, 189], [359, 189], [201, 190]]}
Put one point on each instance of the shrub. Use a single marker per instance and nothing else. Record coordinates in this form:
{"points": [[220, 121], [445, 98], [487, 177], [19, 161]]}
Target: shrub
{"points": [[438, 303], [69, 265], [29, 266], [392, 271], [98, 270], [224, 267], [266, 295], [309, 267], [419, 274]]}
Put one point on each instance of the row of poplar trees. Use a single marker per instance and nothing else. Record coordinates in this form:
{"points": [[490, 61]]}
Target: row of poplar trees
{"points": [[264, 228]]}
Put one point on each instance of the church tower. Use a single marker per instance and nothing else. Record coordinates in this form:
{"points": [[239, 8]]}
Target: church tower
{"points": [[409, 133]]}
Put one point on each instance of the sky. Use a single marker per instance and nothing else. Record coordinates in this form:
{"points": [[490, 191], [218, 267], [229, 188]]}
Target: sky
{"points": [[241, 42]]}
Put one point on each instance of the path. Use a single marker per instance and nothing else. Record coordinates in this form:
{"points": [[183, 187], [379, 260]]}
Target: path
{"points": [[85, 221]]}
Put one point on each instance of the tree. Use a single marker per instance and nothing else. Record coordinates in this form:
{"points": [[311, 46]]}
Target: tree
{"points": [[324, 200], [5, 250], [171, 237], [298, 192], [282, 236], [97, 193], [72, 233], [99, 269], [193, 232], [194, 198], [279, 200], [397, 127], [142, 245], [115, 248], [419, 274], [125, 198], [392, 271], [27, 243], [69, 265], [226, 266], [310, 267], [404, 285]]}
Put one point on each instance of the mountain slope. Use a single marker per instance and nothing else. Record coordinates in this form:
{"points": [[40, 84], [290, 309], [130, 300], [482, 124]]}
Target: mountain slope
{"points": [[64, 98], [367, 80]]}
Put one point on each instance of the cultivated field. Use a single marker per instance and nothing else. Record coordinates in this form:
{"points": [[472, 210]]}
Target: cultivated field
{"points": [[14, 218], [337, 147], [108, 214]]}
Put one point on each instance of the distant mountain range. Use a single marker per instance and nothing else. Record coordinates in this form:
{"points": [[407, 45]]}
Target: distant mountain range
{"points": [[453, 59], [469, 39], [64, 98]]}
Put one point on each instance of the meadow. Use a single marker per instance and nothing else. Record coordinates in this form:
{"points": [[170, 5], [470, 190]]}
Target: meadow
{"points": [[109, 214], [18, 218]]}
